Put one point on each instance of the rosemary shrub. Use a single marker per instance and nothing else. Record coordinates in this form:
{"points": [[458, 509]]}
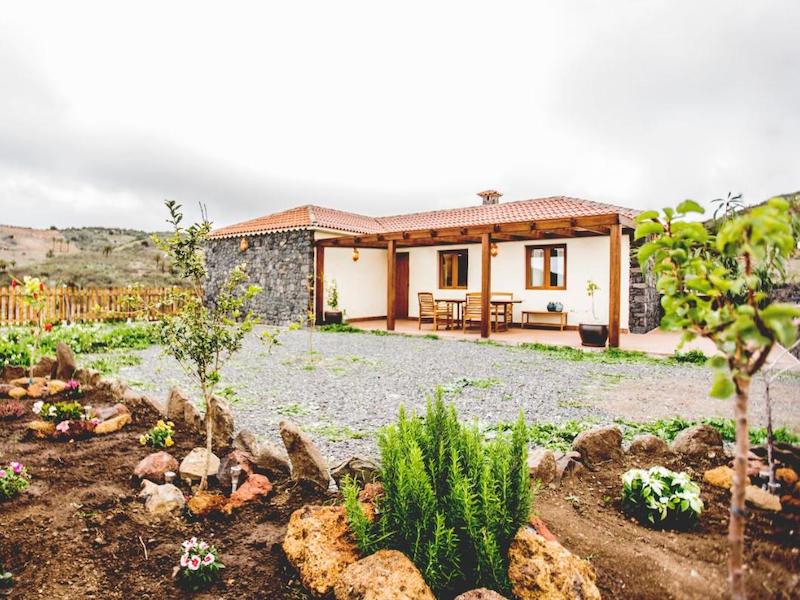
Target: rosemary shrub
{"points": [[452, 502]]}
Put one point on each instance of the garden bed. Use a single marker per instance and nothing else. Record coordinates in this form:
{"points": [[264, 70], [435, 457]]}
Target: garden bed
{"points": [[80, 531], [633, 561]]}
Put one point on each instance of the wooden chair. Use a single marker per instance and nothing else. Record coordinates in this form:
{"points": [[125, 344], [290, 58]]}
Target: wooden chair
{"points": [[430, 310], [502, 314], [472, 309]]}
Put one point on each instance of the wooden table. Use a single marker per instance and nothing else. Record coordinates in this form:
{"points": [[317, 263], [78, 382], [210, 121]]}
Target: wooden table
{"points": [[457, 302], [527, 314], [508, 306]]}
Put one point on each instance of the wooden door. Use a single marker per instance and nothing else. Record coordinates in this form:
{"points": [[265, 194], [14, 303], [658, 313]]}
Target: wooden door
{"points": [[401, 286]]}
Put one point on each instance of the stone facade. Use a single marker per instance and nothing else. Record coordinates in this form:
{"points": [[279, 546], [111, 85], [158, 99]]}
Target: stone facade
{"points": [[281, 262], [644, 299]]}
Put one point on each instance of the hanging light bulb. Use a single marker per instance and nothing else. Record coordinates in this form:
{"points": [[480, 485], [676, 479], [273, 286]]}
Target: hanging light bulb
{"points": [[493, 249], [355, 255]]}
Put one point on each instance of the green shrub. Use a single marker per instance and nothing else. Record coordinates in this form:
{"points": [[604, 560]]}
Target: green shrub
{"points": [[696, 357], [452, 501], [661, 497], [339, 328], [15, 342]]}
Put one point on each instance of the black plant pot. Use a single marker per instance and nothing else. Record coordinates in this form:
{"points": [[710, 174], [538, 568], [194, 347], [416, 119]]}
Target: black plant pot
{"points": [[333, 317], [593, 335]]}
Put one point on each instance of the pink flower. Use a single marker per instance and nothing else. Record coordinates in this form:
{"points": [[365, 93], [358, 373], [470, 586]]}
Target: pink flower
{"points": [[194, 563], [16, 467], [63, 427], [95, 421], [184, 559], [209, 558], [2, 473]]}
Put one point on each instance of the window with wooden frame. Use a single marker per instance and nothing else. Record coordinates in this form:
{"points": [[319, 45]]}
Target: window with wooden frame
{"points": [[546, 267], [453, 269]]}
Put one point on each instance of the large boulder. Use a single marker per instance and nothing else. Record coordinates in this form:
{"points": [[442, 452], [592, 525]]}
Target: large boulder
{"points": [[113, 424], [42, 429], [46, 367], [307, 461], [385, 575], [568, 466], [65, 362], [204, 503], [104, 413], [762, 499], [234, 458], [268, 457], [257, 486], [319, 545], [193, 466], [181, 409], [542, 465], [699, 440], [599, 445], [153, 466], [480, 594], [161, 499], [721, 477], [17, 393], [364, 470], [538, 568], [5, 388], [219, 411], [648, 445], [55, 387]]}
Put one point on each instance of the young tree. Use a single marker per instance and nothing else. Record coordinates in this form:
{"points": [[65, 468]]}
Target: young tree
{"points": [[711, 286], [202, 336], [34, 298]]}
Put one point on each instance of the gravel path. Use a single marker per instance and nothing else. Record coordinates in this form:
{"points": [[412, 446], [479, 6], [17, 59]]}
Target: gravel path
{"points": [[352, 384]]}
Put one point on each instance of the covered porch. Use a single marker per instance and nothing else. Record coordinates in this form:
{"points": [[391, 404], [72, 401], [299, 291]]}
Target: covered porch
{"points": [[604, 262]]}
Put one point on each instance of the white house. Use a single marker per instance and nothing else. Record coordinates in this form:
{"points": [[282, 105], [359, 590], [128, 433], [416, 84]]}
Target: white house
{"points": [[542, 250]]}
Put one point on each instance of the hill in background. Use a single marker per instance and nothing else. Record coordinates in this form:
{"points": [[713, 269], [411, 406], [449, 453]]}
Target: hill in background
{"points": [[84, 257]]}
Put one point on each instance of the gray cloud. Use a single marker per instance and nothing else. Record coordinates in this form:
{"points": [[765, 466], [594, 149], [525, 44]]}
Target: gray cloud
{"points": [[636, 103]]}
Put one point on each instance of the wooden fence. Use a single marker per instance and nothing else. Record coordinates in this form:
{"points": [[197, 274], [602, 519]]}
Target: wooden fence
{"points": [[89, 304]]}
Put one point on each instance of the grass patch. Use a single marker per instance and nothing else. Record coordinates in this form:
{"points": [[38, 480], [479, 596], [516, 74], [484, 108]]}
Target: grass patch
{"points": [[292, 409], [462, 383], [614, 355], [110, 364], [336, 433]]}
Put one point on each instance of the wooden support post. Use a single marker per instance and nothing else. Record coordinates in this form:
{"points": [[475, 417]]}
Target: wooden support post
{"points": [[614, 284], [391, 271], [486, 288], [319, 286]]}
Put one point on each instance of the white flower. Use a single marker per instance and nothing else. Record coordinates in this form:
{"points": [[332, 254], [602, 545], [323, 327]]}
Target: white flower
{"points": [[209, 558], [37, 407], [202, 546], [194, 563], [52, 411]]}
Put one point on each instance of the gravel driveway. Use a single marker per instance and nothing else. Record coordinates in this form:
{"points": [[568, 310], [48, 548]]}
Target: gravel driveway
{"points": [[352, 384]]}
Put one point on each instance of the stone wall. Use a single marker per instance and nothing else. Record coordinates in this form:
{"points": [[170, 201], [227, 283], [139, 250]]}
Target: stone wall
{"points": [[281, 263], [645, 302]]}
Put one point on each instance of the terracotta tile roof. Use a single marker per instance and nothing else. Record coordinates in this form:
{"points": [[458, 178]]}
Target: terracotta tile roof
{"points": [[318, 217]]}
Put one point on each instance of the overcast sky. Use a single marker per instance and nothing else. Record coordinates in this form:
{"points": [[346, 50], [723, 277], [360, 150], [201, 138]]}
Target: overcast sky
{"points": [[107, 108]]}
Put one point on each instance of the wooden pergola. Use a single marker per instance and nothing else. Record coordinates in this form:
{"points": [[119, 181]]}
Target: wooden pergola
{"points": [[611, 225]]}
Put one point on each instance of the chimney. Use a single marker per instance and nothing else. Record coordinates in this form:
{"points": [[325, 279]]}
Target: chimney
{"points": [[490, 196]]}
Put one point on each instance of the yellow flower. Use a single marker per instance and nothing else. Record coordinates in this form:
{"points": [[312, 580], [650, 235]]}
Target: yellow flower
{"points": [[168, 442], [142, 440], [171, 424], [161, 424]]}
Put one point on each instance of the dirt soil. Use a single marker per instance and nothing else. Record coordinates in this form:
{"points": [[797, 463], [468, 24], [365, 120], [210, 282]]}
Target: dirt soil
{"points": [[634, 561], [81, 532]]}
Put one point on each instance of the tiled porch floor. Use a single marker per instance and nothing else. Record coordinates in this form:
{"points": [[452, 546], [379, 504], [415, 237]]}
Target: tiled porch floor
{"points": [[654, 342]]}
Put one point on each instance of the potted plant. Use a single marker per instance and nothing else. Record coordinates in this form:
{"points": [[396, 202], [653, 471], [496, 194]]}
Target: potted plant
{"points": [[334, 315], [593, 334]]}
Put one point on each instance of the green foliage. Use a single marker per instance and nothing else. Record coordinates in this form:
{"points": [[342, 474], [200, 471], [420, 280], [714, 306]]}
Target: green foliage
{"points": [[60, 411], [339, 328], [713, 285], [661, 497], [452, 501], [15, 342], [695, 357], [462, 383], [14, 478]]}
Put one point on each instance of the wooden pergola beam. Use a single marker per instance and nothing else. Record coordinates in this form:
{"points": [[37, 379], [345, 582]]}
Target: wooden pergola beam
{"points": [[319, 286], [614, 285], [486, 285], [525, 229], [391, 270]]}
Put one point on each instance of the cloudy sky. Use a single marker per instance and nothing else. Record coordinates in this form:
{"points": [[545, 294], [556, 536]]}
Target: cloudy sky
{"points": [[251, 107]]}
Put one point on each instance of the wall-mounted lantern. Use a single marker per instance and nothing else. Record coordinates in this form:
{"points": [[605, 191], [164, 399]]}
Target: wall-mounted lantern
{"points": [[356, 255], [243, 244], [493, 250]]}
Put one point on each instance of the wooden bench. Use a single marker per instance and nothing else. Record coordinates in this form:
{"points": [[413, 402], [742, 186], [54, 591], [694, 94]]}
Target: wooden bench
{"points": [[534, 317]]}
